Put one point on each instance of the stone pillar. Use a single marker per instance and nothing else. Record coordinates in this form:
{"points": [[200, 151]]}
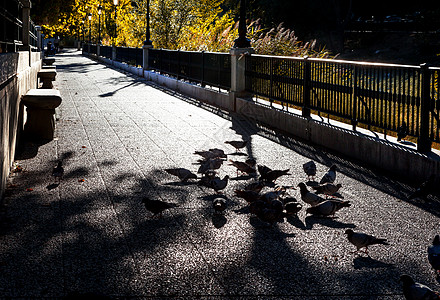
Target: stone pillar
{"points": [[98, 49], [145, 64], [238, 67], [39, 38], [113, 53], [26, 24]]}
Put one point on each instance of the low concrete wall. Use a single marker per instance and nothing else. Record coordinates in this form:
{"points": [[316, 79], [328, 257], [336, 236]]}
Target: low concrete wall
{"points": [[371, 148], [380, 152], [18, 75]]}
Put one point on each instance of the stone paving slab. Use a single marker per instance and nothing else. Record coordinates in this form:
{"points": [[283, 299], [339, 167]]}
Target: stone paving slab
{"points": [[90, 233]]}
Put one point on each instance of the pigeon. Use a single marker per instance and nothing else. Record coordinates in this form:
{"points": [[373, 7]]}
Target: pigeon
{"points": [[243, 167], [273, 195], [219, 205], [330, 176], [426, 188], [237, 144], [434, 254], [211, 153], [255, 186], [219, 184], [363, 240], [327, 188], [248, 195], [182, 173], [269, 175], [157, 206], [58, 171], [310, 169], [309, 197], [210, 164], [292, 208], [251, 162], [416, 291], [270, 212], [402, 131], [328, 207]]}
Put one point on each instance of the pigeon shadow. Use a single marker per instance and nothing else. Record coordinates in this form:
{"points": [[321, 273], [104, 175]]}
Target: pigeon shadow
{"points": [[295, 221], [310, 221], [237, 154], [366, 262], [52, 186], [218, 220], [181, 183]]}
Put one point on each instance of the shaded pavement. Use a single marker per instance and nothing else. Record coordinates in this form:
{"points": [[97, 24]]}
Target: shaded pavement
{"points": [[90, 232]]}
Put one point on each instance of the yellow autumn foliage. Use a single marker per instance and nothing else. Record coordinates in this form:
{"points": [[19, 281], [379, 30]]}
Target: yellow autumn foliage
{"points": [[193, 25]]}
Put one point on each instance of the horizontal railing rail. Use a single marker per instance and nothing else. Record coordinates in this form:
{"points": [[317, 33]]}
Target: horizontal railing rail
{"points": [[379, 96]]}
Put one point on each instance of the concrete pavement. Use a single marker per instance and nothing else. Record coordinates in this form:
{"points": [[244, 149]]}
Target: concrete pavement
{"points": [[90, 233]]}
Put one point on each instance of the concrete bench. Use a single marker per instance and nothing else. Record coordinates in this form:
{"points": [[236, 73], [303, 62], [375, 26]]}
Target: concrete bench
{"points": [[48, 61], [47, 76], [40, 107]]}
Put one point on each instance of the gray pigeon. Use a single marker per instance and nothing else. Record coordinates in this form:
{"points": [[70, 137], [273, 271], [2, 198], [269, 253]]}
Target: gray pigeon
{"points": [[243, 167], [237, 144], [251, 162], [219, 205], [434, 254], [210, 164], [157, 206], [211, 153], [182, 173], [363, 240], [416, 291], [330, 176], [218, 184], [328, 207], [269, 175], [310, 169], [269, 212], [327, 188], [309, 197]]}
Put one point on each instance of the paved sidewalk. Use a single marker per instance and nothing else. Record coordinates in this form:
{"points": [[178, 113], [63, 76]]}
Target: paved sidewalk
{"points": [[91, 233]]}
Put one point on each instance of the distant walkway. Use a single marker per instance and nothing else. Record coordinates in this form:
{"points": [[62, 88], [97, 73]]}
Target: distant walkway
{"points": [[91, 233]]}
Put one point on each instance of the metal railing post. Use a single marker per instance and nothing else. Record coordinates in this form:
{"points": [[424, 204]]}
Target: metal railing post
{"points": [[354, 117], [423, 142], [306, 88]]}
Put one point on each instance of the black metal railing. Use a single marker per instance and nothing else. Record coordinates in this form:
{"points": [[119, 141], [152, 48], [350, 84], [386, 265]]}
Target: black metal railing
{"points": [[93, 49], [106, 51], [11, 25], [379, 96], [205, 68], [129, 55]]}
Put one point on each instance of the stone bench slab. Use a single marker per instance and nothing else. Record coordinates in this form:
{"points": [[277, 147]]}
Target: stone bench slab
{"points": [[48, 61], [42, 98], [47, 73]]}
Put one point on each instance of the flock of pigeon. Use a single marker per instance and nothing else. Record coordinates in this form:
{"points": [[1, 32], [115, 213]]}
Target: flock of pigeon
{"points": [[275, 204]]}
